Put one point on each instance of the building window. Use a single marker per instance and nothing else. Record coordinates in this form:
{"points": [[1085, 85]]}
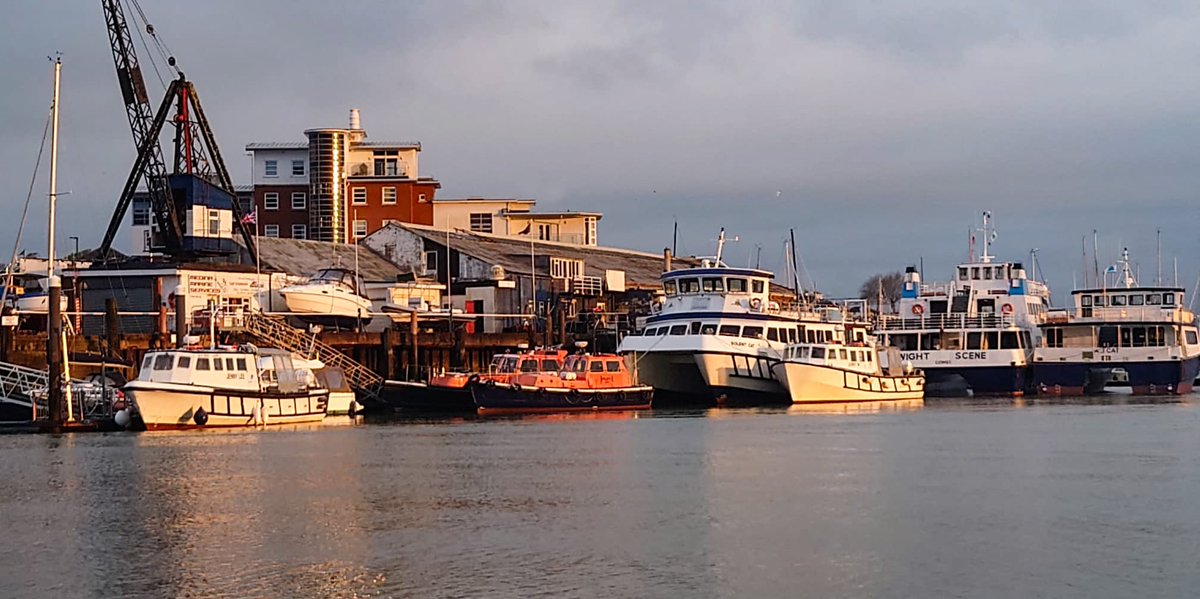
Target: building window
{"points": [[270, 230], [548, 232], [431, 263], [141, 213], [271, 168], [481, 222], [565, 268], [387, 163], [299, 200], [360, 229], [271, 201], [299, 231], [297, 168], [389, 195], [358, 196], [589, 234], [214, 223], [421, 198]]}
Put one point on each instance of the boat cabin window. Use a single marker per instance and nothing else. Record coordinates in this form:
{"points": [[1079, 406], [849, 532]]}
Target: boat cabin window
{"points": [[1054, 337], [752, 332], [731, 330], [580, 364], [842, 354], [906, 342], [1009, 340], [663, 330], [695, 330], [974, 340], [975, 272], [612, 366], [793, 336], [773, 334], [147, 361], [163, 362], [1137, 299], [1098, 301], [1118, 300], [1085, 301], [962, 273], [529, 365], [931, 341], [1168, 299], [1108, 336], [736, 285], [1191, 337], [1153, 299], [241, 364], [757, 286], [669, 287], [229, 364], [596, 366], [217, 364], [689, 286], [870, 357], [679, 329], [987, 273], [549, 365], [818, 353], [185, 362], [201, 363], [708, 329], [712, 285]]}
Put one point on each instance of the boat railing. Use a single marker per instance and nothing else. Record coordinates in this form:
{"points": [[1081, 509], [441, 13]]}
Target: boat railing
{"points": [[1167, 314], [937, 289], [946, 321]]}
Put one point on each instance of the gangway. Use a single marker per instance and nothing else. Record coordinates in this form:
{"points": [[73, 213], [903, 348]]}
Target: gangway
{"points": [[274, 331], [19, 385]]}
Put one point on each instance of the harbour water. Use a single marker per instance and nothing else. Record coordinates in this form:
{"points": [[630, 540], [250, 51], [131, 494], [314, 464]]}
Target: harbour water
{"points": [[953, 499]]}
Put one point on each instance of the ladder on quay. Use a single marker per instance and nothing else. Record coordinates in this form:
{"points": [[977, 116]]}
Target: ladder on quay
{"points": [[274, 331]]}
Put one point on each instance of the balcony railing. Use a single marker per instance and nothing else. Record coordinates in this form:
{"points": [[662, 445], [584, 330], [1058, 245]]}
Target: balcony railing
{"points": [[946, 321]]}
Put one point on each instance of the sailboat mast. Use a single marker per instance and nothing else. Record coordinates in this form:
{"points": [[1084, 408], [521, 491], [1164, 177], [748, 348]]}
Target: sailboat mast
{"points": [[54, 313]]}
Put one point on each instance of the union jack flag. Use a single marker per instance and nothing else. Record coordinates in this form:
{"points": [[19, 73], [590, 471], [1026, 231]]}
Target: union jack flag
{"points": [[250, 218]]}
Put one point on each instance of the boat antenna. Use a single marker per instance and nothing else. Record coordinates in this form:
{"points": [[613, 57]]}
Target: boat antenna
{"points": [[720, 245], [1083, 247], [1158, 236], [795, 269], [1095, 256], [989, 235], [675, 240]]}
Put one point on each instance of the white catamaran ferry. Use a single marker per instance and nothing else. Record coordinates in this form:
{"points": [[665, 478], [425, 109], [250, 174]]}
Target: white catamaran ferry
{"points": [[222, 387], [716, 335], [1145, 331], [975, 334]]}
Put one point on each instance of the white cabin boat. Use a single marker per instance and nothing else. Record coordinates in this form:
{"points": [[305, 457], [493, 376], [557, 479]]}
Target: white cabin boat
{"points": [[842, 364], [715, 335], [975, 334], [225, 387], [332, 296], [1145, 333]]}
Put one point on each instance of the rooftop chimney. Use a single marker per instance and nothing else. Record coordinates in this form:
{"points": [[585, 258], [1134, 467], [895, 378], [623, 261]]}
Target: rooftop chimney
{"points": [[355, 123]]}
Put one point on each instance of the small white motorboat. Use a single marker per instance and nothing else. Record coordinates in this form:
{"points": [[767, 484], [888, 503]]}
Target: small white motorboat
{"points": [[332, 296]]}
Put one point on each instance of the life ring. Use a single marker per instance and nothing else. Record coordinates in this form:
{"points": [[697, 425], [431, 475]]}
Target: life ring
{"points": [[918, 309], [756, 304], [1006, 308]]}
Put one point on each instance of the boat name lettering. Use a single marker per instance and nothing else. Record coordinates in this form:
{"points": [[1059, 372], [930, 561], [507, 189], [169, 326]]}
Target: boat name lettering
{"points": [[970, 355], [914, 355]]}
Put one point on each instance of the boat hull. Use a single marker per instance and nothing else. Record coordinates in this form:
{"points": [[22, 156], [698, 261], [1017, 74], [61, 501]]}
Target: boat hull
{"points": [[173, 408], [513, 399], [708, 378], [323, 308], [812, 383], [980, 381], [422, 397], [1168, 377], [341, 403]]}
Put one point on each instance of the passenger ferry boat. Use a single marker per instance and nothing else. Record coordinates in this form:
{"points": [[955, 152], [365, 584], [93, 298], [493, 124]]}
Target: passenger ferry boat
{"points": [[451, 392], [1146, 332], [586, 383], [975, 334], [842, 364], [716, 334], [224, 387]]}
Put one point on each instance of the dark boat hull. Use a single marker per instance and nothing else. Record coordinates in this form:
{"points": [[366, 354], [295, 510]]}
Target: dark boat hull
{"points": [[1168, 377], [983, 381], [500, 399], [426, 398]]}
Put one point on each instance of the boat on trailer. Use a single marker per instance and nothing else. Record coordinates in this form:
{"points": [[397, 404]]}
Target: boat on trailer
{"points": [[225, 387]]}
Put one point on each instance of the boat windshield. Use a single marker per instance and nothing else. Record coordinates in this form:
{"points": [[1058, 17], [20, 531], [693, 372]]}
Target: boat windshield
{"points": [[334, 275], [529, 365]]}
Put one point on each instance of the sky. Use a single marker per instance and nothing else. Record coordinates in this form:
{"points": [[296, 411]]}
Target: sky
{"points": [[878, 131]]}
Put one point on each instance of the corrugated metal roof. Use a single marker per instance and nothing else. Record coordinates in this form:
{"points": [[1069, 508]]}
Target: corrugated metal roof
{"points": [[277, 145], [642, 269], [303, 257]]}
